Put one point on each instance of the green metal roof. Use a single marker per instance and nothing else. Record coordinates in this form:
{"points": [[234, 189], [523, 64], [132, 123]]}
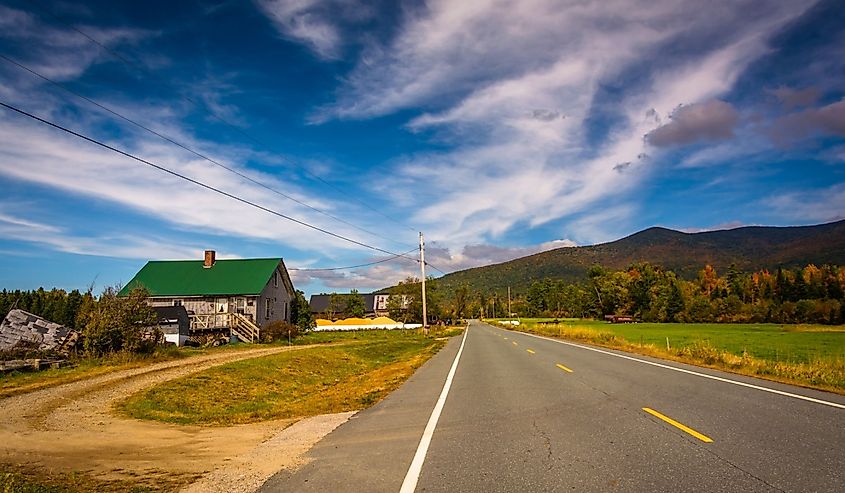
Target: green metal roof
{"points": [[190, 278]]}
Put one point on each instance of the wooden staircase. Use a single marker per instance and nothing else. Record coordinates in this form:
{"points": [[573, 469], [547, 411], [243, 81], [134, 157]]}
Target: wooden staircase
{"points": [[243, 327]]}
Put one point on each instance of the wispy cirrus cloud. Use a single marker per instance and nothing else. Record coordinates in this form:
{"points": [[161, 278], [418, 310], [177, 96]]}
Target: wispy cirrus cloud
{"points": [[819, 205], [109, 245], [59, 53], [62, 162], [522, 150], [317, 24]]}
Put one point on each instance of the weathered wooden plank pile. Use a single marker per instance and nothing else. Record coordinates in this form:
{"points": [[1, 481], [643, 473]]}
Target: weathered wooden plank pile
{"points": [[31, 364], [24, 326]]}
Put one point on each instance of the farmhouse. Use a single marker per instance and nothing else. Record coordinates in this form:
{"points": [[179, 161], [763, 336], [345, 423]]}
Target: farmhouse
{"points": [[229, 297]]}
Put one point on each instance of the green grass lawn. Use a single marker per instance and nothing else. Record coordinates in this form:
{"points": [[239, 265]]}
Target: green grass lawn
{"points": [[789, 343], [360, 369], [809, 355]]}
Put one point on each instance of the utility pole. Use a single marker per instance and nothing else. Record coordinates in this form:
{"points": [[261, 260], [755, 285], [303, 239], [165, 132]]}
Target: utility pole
{"points": [[422, 272]]}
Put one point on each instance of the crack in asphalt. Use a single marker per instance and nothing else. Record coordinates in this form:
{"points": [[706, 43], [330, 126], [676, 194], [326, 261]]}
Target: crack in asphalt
{"points": [[548, 442]]}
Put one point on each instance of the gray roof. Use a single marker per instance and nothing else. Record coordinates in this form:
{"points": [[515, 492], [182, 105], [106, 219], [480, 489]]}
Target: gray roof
{"points": [[19, 324], [320, 302]]}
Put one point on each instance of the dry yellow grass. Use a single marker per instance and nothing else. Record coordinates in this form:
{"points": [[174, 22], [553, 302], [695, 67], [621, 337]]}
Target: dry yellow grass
{"points": [[353, 374]]}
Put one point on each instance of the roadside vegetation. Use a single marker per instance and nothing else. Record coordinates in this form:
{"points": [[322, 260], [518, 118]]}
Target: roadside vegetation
{"points": [[20, 479], [118, 333], [81, 368], [807, 355], [353, 371]]}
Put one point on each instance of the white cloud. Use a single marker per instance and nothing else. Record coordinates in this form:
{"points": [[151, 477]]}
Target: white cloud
{"points": [[485, 68], [317, 24], [62, 162], [60, 54], [816, 206], [118, 246], [717, 227], [389, 273]]}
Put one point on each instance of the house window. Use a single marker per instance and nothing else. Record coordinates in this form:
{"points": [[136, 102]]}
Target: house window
{"points": [[177, 302], [275, 279], [267, 307]]}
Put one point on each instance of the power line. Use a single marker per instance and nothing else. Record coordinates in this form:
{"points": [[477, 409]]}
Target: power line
{"points": [[199, 183], [433, 267], [192, 151], [223, 120], [356, 266]]}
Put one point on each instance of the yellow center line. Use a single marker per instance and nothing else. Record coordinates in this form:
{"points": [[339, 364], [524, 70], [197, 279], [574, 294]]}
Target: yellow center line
{"points": [[703, 438], [514, 343], [563, 368], [530, 351]]}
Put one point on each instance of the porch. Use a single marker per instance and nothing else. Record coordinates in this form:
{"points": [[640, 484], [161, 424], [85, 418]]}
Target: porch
{"points": [[238, 324]]}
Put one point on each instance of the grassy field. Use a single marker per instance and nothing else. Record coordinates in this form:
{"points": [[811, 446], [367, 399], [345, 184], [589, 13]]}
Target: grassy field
{"points": [[808, 355], [357, 371], [791, 343]]}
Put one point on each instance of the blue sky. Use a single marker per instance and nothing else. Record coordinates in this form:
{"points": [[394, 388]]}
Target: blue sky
{"points": [[498, 128]]}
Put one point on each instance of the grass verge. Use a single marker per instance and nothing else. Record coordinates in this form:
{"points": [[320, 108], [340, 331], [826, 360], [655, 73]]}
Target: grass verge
{"points": [[16, 478], [807, 356], [356, 372]]}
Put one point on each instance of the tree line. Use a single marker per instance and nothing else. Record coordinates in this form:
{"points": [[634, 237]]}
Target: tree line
{"points": [[650, 293], [55, 305]]}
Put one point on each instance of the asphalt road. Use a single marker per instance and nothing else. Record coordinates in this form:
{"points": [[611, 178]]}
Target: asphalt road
{"points": [[531, 414]]}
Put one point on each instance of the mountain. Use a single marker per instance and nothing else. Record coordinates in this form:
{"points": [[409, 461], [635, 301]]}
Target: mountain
{"points": [[750, 248]]}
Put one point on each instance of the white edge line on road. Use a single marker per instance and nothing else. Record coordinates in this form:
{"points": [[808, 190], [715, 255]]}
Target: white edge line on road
{"points": [[690, 372], [413, 475]]}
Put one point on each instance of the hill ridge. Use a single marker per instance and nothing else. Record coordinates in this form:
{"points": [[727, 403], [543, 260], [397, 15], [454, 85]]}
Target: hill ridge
{"points": [[685, 253]]}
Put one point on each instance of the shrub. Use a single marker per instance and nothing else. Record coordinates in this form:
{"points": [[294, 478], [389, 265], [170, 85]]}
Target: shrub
{"points": [[120, 324], [279, 330], [702, 350]]}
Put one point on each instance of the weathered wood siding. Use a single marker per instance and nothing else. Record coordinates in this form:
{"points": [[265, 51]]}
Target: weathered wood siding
{"points": [[278, 296]]}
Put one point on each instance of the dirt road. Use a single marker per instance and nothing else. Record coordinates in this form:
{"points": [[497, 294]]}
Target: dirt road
{"points": [[71, 428]]}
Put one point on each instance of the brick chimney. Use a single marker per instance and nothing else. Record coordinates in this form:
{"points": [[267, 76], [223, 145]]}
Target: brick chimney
{"points": [[210, 258]]}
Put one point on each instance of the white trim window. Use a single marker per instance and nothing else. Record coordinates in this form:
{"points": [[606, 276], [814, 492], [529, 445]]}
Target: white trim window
{"points": [[268, 308]]}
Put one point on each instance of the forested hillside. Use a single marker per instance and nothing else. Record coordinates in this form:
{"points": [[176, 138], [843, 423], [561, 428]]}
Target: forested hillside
{"points": [[748, 249]]}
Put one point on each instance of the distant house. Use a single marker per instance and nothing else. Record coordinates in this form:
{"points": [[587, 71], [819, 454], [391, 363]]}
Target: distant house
{"points": [[232, 297], [375, 305]]}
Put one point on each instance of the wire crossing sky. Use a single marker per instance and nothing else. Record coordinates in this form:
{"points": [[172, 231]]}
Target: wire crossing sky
{"points": [[500, 129]]}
